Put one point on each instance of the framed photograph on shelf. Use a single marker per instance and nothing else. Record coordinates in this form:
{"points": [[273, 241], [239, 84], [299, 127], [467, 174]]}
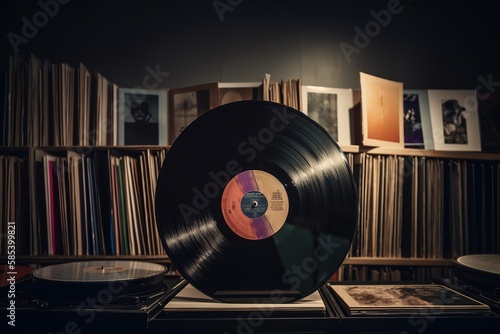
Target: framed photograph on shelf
{"points": [[417, 119], [329, 107], [142, 117], [455, 120], [187, 103], [382, 107]]}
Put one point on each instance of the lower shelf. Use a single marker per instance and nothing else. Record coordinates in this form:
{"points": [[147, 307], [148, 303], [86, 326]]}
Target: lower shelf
{"points": [[44, 259], [377, 261]]}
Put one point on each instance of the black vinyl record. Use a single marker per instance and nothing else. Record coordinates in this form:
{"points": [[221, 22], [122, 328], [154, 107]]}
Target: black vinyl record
{"points": [[256, 202]]}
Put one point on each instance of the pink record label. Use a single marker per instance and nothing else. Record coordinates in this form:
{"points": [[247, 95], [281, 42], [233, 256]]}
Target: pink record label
{"points": [[255, 204]]}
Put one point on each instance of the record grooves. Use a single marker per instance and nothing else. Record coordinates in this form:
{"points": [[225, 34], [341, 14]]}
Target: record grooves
{"points": [[255, 201]]}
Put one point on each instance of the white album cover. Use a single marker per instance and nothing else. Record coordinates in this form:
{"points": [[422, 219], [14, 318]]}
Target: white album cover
{"points": [[455, 120]]}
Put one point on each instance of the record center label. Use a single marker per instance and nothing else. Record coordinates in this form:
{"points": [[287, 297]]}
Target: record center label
{"points": [[254, 204]]}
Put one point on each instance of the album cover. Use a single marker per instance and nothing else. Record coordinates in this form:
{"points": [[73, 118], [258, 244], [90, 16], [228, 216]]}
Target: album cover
{"points": [[382, 107], [142, 117], [329, 107], [455, 120], [417, 119], [404, 299]]}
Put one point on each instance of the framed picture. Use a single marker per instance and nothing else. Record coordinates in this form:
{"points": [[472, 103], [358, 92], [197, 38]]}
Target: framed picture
{"points": [[187, 103], [382, 107], [142, 117], [417, 125], [329, 107], [455, 120]]}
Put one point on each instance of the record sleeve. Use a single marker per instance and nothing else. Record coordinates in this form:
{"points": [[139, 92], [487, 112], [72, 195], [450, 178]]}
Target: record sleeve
{"points": [[383, 299], [192, 301], [255, 199]]}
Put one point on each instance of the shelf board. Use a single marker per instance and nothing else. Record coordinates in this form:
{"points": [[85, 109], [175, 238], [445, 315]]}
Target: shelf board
{"points": [[44, 259], [432, 153], [369, 261], [350, 148], [374, 261], [421, 152], [470, 155]]}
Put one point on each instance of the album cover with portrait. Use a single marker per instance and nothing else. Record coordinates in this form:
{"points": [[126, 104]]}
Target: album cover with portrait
{"points": [[455, 120]]}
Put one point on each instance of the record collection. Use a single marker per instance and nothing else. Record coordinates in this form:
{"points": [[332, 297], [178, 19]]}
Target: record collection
{"points": [[256, 207], [256, 200]]}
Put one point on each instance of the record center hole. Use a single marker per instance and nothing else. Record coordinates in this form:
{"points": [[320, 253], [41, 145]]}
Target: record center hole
{"points": [[255, 204]]}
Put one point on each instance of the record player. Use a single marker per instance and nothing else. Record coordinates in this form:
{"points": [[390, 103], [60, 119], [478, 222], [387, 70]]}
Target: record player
{"points": [[90, 297], [479, 275]]}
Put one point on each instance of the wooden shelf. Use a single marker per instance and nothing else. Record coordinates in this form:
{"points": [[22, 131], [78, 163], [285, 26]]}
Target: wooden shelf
{"points": [[353, 149], [350, 148], [46, 260], [374, 261], [422, 153], [367, 261], [345, 148]]}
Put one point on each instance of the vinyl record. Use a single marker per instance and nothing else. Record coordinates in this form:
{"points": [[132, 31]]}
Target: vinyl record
{"points": [[479, 270], [76, 279], [486, 264], [99, 271], [256, 202]]}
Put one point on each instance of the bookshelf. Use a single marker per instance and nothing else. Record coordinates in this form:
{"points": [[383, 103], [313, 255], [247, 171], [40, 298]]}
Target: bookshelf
{"points": [[396, 261], [408, 197], [78, 201], [26, 157], [445, 205], [422, 153]]}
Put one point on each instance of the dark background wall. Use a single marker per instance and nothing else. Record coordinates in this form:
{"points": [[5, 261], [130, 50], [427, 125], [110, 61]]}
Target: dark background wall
{"points": [[426, 44]]}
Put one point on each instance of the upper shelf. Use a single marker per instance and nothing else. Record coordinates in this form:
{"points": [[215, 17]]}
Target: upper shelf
{"points": [[422, 153], [345, 149]]}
